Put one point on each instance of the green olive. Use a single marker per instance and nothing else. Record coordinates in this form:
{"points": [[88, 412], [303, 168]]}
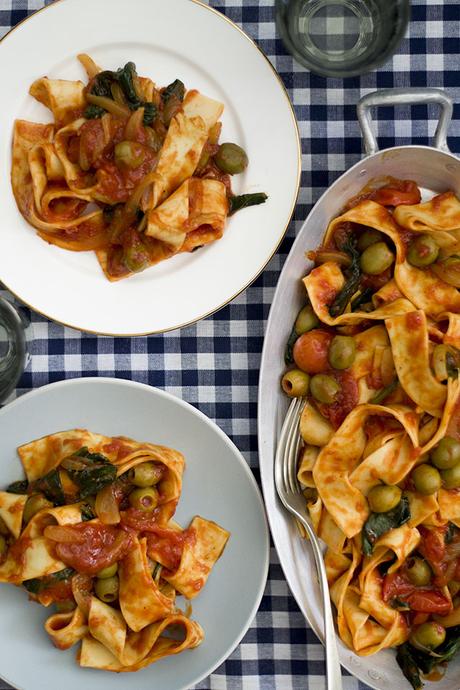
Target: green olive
{"points": [[342, 352], [428, 636], [324, 388], [231, 159], [423, 251], [426, 478], [129, 154], [110, 571], [383, 498], [34, 504], [144, 499], [146, 474], [3, 546], [448, 270], [295, 383], [306, 320], [376, 259], [451, 478], [369, 237], [446, 454], [3, 528], [107, 589], [418, 572], [136, 257]]}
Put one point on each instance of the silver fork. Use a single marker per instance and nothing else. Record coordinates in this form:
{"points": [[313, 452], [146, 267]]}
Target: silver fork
{"points": [[289, 491]]}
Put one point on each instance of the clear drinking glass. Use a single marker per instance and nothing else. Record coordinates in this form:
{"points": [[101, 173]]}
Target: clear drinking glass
{"points": [[13, 348], [342, 38]]}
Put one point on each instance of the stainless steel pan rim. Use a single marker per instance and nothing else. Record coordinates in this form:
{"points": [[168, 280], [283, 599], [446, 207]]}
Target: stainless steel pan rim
{"points": [[435, 169]]}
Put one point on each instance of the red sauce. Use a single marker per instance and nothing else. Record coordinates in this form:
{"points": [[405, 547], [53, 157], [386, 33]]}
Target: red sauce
{"points": [[393, 193], [118, 448], [421, 599], [413, 320], [58, 591], [346, 401], [168, 545], [18, 549], [102, 546]]}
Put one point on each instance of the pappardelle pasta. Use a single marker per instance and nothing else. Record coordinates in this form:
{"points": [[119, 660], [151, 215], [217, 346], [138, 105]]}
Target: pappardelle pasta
{"points": [[375, 351], [91, 530], [130, 170]]}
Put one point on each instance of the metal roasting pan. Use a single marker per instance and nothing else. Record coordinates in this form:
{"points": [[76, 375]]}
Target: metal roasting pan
{"points": [[435, 169]]}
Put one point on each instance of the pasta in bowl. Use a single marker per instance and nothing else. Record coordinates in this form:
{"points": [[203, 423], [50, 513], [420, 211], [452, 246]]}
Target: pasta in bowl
{"points": [[90, 529], [375, 352], [127, 169]]}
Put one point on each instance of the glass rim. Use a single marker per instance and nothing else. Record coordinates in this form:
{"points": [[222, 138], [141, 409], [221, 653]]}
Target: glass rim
{"points": [[319, 69]]}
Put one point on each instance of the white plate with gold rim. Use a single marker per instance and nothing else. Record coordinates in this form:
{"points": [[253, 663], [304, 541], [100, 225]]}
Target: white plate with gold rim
{"points": [[218, 485], [166, 40]]}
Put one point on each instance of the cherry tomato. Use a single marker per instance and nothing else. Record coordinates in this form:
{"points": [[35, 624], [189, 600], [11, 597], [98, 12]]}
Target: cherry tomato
{"points": [[310, 351], [422, 599]]}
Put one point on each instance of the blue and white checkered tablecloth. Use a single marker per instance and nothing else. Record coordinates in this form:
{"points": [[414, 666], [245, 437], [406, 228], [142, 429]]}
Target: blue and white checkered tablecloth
{"points": [[215, 364]]}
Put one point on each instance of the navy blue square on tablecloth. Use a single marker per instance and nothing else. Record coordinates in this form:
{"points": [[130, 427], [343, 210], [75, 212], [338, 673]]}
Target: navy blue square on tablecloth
{"points": [[214, 364]]}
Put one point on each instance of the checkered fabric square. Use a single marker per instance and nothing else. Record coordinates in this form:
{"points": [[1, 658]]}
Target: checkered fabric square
{"points": [[215, 364]]}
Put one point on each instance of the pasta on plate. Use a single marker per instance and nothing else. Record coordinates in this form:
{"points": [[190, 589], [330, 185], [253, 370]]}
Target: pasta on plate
{"points": [[375, 352], [127, 169], [91, 530]]}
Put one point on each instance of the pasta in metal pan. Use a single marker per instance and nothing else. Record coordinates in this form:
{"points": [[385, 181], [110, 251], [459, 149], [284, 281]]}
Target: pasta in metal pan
{"points": [[90, 530], [127, 169], [376, 353]]}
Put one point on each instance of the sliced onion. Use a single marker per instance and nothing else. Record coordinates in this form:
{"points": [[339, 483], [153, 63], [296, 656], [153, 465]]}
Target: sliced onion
{"points": [[89, 65], [64, 534], [108, 104], [133, 125], [81, 589], [106, 506], [448, 270], [321, 256]]}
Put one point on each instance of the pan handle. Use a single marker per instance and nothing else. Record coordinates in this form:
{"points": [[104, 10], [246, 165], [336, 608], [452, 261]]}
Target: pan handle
{"points": [[407, 97]]}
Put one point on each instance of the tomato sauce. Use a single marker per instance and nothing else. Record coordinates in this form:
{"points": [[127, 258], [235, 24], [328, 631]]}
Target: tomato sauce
{"points": [[168, 546], [421, 599], [346, 400], [393, 193], [102, 546]]}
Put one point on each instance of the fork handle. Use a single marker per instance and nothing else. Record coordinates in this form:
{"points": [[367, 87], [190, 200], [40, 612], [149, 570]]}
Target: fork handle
{"points": [[333, 672]]}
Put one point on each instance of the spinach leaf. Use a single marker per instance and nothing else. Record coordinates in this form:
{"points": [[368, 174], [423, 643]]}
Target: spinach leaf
{"points": [[380, 523], [125, 77], [384, 393], [38, 584], [87, 513], [176, 88], [353, 274], [444, 653], [51, 486], [90, 471], [361, 299], [102, 83], [452, 531], [408, 665], [245, 200], [399, 604], [288, 353], [92, 112], [19, 487], [150, 113]]}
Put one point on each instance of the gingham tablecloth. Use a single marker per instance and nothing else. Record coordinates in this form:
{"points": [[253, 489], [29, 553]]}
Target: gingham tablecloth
{"points": [[214, 365]]}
